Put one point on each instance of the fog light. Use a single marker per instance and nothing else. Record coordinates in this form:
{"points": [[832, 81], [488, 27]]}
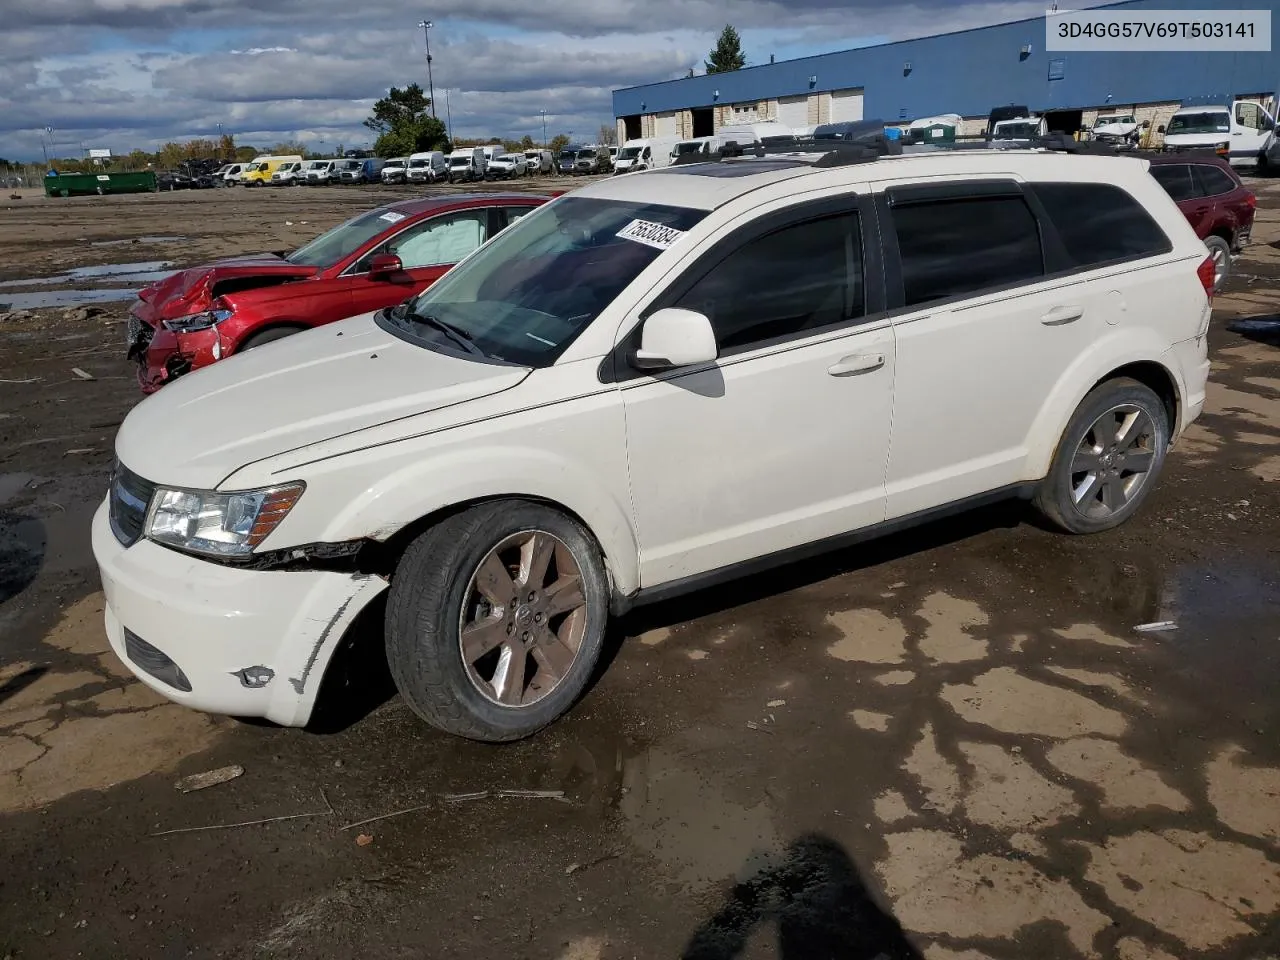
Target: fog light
{"points": [[255, 677]]}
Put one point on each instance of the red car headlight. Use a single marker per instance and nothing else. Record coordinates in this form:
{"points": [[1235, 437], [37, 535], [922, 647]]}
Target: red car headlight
{"points": [[194, 322]]}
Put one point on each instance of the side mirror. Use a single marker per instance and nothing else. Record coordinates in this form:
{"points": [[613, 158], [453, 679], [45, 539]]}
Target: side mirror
{"points": [[675, 338], [1160, 129], [384, 265]]}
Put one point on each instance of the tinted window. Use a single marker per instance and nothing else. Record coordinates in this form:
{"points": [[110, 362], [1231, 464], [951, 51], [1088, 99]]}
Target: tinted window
{"points": [[1100, 223], [798, 278], [1214, 180], [1176, 180], [952, 247]]}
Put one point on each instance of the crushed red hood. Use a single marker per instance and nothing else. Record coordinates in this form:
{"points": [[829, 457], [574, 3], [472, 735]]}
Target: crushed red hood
{"points": [[194, 289]]}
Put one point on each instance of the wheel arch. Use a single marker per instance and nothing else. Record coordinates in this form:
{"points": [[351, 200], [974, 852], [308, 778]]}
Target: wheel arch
{"points": [[1132, 354], [295, 325]]}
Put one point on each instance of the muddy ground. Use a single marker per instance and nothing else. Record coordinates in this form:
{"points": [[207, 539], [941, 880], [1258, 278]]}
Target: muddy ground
{"points": [[950, 743]]}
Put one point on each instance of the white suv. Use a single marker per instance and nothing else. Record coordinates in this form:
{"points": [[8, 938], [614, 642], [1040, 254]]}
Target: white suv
{"points": [[651, 383]]}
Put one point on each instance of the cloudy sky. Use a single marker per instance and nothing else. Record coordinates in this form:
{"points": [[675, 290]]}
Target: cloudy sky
{"points": [[135, 73]]}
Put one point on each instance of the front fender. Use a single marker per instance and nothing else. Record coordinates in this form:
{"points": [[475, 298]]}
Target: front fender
{"points": [[1118, 347]]}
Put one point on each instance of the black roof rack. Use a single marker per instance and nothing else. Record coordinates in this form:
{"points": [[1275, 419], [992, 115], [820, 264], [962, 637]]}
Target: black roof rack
{"points": [[870, 148]]}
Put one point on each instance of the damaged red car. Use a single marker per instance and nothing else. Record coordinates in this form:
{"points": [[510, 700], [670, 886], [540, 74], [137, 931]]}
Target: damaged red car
{"points": [[197, 316]]}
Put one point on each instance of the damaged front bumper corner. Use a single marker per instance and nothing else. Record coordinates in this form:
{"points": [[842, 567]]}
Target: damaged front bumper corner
{"points": [[246, 643]]}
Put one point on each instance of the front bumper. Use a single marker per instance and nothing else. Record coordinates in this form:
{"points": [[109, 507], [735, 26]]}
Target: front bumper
{"points": [[248, 643], [163, 355]]}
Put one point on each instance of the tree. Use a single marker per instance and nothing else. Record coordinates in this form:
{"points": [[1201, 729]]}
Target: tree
{"points": [[288, 148], [526, 142], [402, 119], [558, 143], [226, 147], [199, 149], [245, 154], [172, 154], [727, 55], [608, 134]]}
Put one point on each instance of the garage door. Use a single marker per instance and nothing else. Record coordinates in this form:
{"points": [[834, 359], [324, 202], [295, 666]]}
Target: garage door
{"points": [[846, 105], [793, 112], [664, 125]]}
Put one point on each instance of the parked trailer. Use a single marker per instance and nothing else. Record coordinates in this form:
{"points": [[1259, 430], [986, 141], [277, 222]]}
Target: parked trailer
{"points": [[88, 184]]}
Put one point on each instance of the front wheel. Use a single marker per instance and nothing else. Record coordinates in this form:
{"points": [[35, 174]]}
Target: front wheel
{"points": [[1220, 251], [1108, 459], [496, 618]]}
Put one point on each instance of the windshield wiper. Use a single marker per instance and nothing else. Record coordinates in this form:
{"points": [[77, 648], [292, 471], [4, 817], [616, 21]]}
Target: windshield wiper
{"points": [[456, 334]]}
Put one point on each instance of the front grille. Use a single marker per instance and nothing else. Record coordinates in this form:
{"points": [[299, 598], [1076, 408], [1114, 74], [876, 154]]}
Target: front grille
{"points": [[154, 662], [130, 497]]}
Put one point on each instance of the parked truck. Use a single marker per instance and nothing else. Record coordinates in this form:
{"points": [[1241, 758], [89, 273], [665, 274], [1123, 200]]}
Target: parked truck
{"points": [[1241, 130]]}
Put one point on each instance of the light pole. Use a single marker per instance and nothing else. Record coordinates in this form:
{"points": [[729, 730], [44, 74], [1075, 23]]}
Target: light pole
{"points": [[426, 26], [544, 127]]}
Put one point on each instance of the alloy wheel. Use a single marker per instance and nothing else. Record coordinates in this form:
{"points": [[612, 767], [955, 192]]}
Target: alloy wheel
{"points": [[1113, 461], [523, 619]]}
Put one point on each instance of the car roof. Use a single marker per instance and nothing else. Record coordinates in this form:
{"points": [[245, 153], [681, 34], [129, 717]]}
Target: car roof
{"points": [[420, 205], [709, 185], [1211, 159]]}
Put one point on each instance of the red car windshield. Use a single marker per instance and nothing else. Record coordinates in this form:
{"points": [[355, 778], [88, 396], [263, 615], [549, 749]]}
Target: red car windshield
{"points": [[344, 239]]}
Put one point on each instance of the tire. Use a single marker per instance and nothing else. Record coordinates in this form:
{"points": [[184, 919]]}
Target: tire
{"points": [[1063, 498], [268, 336], [1220, 250], [432, 593]]}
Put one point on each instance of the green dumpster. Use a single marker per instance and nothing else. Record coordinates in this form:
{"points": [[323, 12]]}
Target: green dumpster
{"points": [[938, 133], [89, 184]]}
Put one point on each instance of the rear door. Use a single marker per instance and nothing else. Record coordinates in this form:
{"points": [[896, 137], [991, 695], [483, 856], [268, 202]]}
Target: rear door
{"points": [[1188, 192]]}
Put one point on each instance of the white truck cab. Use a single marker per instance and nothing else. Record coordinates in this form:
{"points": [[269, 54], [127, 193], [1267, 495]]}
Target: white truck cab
{"points": [[545, 437], [1241, 130]]}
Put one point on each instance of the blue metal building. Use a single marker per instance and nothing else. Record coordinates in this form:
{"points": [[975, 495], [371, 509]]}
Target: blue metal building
{"points": [[966, 73]]}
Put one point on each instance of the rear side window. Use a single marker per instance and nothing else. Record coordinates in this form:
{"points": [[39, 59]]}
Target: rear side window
{"points": [[1176, 180], [1100, 223], [798, 278], [952, 247], [1214, 181]]}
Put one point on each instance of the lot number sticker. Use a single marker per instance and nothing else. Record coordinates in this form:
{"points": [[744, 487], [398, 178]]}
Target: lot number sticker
{"points": [[650, 234], [392, 217]]}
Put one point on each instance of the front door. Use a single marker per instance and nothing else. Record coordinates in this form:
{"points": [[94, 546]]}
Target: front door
{"points": [[1251, 130], [783, 440], [426, 250]]}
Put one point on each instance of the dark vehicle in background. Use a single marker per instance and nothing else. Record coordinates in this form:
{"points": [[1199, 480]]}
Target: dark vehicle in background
{"points": [[365, 170], [183, 181], [1211, 195], [197, 316], [567, 158]]}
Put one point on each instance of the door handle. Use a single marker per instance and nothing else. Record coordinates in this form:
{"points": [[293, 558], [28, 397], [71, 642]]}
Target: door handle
{"points": [[1060, 315], [856, 363]]}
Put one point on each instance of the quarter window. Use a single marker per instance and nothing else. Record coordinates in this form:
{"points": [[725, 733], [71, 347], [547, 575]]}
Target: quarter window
{"points": [[1213, 181], [798, 278], [1176, 180], [1100, 223], [957, 246]]}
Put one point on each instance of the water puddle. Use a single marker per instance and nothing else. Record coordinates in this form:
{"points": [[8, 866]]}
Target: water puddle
{"points": [[64, 298], [127, 241], [146, 270]]}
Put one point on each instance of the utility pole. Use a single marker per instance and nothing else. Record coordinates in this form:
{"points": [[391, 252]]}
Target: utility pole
{"points": [[426, 26], [544, 127], [448, 117]]}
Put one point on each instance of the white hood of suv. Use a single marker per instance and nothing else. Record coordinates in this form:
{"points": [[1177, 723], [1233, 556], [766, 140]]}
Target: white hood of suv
{"points": [[311, 387]]}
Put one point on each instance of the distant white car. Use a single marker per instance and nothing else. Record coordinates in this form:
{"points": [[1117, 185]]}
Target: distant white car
{"points": [[506, 166], [655, 382], [394, 170], [288, 173], [539, 162]]}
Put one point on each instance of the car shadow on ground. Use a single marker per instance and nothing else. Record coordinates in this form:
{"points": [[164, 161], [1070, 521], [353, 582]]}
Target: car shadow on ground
{"points": [[1263, 329], [815, 897], [23, 544]]}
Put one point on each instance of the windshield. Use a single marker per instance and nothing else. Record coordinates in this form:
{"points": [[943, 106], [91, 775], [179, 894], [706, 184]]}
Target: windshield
{"points": [[1106, 121], [459, 161], [416, 163], [527, 294], [567, 154], [1208, 122], [328, 248], [349, 165], [691, 146], [586, 154], [531, 154], [630, 153], [1024, 130]]}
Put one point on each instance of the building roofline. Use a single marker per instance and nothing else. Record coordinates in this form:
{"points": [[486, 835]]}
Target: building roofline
{"points": [[873, 46]]}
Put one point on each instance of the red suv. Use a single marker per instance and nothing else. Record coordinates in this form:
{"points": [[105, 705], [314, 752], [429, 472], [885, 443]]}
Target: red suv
{"points": [[197, 316], [1211, 196]]}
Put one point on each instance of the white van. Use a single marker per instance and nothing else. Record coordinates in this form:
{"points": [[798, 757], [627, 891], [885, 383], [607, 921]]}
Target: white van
{"points": [[287, 174], [394, 170], [426, 167], [1244, 130], [539, 162], [469, 163], [698, 145], [652, 153], [764, 132]]}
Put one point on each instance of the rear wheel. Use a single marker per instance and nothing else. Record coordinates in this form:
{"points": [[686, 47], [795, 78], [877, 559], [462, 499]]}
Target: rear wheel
{"points": [[1108, 458], [1220, 251], [496, 618]]}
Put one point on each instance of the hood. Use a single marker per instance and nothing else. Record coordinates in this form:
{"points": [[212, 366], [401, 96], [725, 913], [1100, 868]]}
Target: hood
{"points": [[193, 289], [308, 388], [1196, 139], [1116, 129]]}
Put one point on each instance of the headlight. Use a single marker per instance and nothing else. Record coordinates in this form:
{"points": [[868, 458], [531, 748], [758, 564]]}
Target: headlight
{"points": [[218, 524], [197, 321]]}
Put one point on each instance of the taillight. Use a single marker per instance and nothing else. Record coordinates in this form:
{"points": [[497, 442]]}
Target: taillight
{"points": [[1251, 201], [1206, 272]]}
